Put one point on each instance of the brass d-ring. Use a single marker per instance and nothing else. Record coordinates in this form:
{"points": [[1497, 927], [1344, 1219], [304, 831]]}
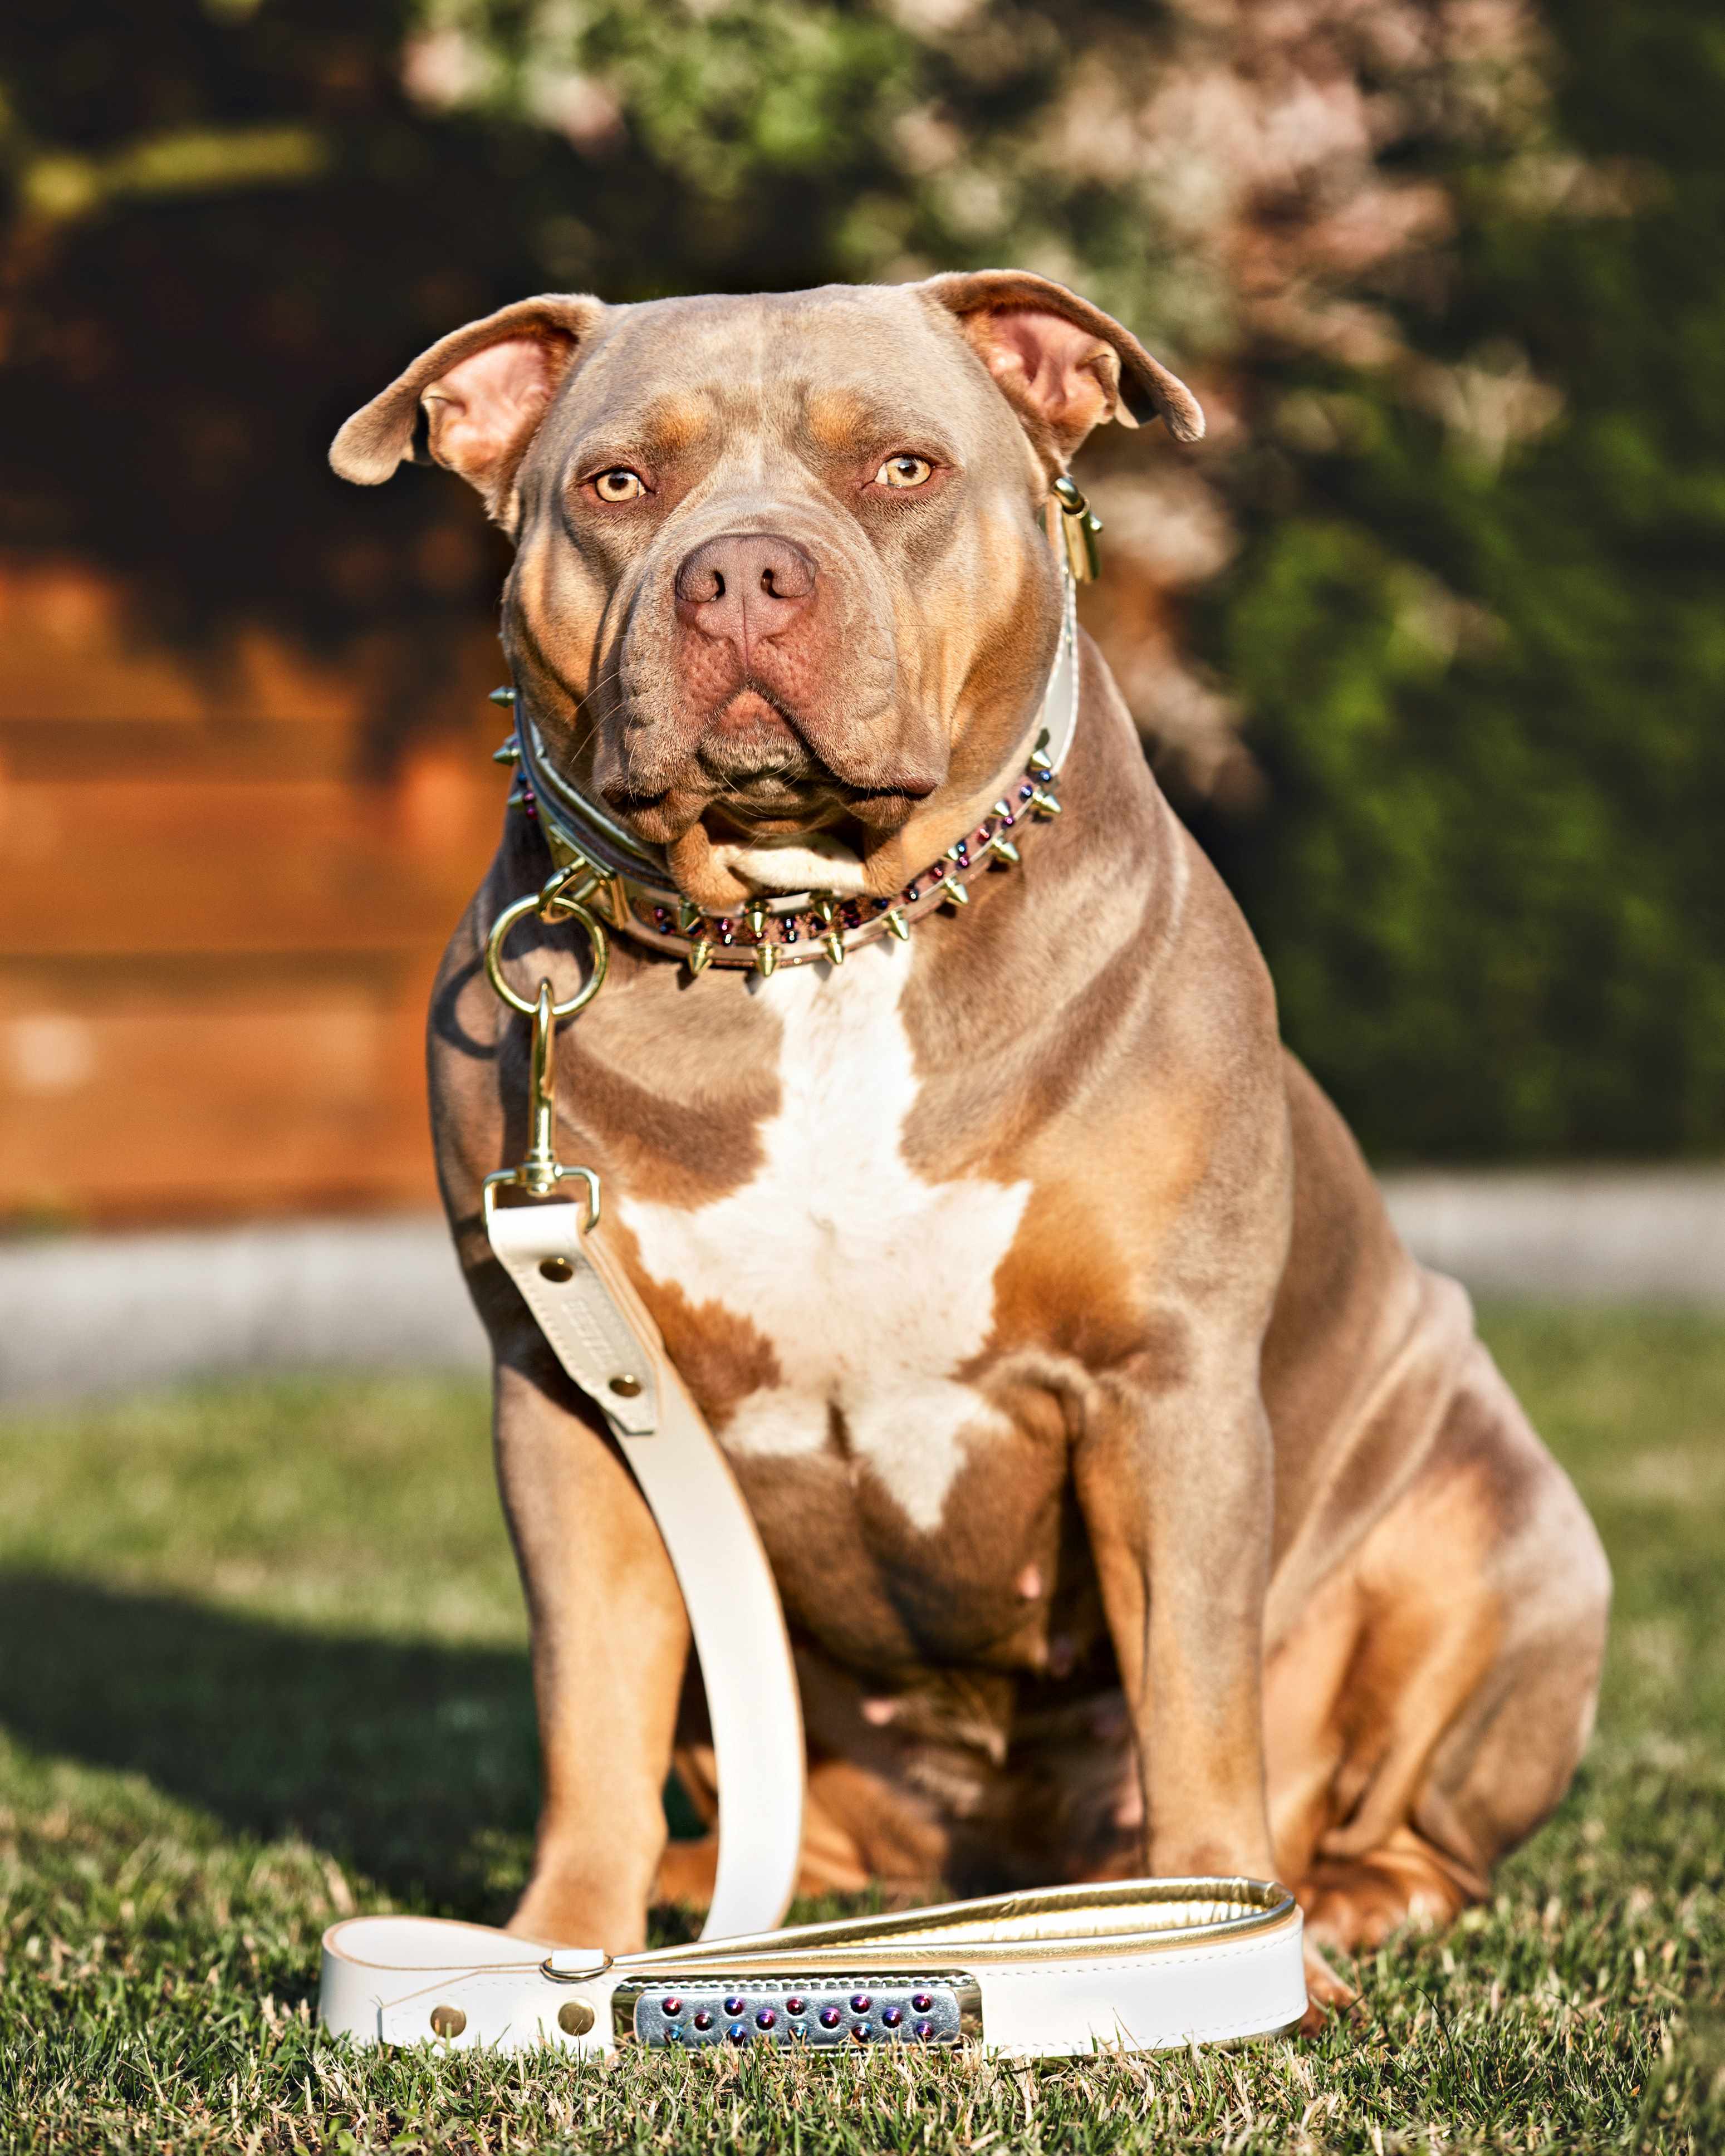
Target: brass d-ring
{"points": [[543, 902]]}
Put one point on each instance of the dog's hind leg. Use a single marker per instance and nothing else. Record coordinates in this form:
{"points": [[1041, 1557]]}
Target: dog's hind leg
{"points": [[1428, 1711]]}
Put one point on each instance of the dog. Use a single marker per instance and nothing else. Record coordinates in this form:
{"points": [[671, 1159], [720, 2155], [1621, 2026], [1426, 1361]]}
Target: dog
{"points": [[1137, 1504]]}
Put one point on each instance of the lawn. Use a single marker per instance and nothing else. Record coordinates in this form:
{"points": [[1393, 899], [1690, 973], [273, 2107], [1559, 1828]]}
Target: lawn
{"points": [[262, 1665]]}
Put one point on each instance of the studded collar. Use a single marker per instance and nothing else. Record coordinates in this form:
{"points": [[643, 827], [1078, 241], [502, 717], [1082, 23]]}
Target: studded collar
{"points": [[640, 898]]}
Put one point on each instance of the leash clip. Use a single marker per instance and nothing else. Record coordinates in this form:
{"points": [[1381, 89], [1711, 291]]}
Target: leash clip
{"points": [[561, 899]]}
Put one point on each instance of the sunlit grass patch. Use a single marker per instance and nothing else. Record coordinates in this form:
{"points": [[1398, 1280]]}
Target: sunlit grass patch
{"points": [[262, 1663]]}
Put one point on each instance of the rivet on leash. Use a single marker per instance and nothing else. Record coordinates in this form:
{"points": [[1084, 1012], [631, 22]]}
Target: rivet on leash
{"points": [[575, 2017], [448, 2021], [556, 1269], [626, 1387]]}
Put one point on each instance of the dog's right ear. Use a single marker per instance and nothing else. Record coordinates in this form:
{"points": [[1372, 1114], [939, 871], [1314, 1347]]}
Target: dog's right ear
{"points": [[484, 390]]}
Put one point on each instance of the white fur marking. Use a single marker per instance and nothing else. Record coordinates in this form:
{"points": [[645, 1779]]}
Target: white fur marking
{"points": [[871, 1284], [814, 863]]}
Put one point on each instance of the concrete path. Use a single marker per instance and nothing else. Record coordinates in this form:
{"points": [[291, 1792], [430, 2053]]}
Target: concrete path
{"points": [[84, 1315]]}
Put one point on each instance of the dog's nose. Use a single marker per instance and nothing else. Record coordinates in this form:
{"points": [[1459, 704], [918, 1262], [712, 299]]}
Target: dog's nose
{"points": [[744, 587]]}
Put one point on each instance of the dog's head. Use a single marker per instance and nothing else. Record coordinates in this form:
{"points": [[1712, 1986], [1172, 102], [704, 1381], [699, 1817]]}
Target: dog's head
{"points": [[781, 585]]}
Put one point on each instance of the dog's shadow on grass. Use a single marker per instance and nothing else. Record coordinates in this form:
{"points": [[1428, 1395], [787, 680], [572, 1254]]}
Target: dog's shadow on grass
{"points": [[414, 1764]]}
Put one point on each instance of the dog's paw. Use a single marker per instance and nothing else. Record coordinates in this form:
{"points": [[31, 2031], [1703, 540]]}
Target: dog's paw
{"points": [[1328, 1995], [687, 1872]]}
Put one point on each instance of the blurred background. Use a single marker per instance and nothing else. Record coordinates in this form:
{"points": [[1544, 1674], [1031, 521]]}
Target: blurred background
{"points": [[1425, 639]]}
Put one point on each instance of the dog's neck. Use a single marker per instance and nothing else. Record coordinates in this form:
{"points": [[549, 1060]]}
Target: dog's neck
{"points": [[811, 903]]}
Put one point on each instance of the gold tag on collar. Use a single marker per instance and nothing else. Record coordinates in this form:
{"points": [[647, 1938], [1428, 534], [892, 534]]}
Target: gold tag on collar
{"points": [[1081, 528]]}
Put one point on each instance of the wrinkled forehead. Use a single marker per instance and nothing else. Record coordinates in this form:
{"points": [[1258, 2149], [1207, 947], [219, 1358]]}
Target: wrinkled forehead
{"points": [[836, 369]]}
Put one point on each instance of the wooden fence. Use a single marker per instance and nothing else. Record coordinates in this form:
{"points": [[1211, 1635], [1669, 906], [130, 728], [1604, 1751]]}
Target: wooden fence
{"points": [[216, 934]]}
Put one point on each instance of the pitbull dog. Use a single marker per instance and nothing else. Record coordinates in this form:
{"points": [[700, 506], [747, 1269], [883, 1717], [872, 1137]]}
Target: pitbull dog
{"points": [[1138, 1503]]}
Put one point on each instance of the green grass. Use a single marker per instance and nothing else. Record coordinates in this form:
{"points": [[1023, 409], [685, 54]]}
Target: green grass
{"points": [[261, 1664]]}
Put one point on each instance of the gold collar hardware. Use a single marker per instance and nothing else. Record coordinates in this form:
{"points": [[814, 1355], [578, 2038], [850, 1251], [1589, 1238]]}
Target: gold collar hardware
{"points": [[1081, 528]]}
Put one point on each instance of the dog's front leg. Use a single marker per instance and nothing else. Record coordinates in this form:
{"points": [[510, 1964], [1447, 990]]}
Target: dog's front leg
{"points": [[1176, 1485], [609, 1642]]}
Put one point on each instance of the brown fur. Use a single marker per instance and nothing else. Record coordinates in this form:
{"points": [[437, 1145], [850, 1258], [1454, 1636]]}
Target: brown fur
{"points": [[1269, 1573]]}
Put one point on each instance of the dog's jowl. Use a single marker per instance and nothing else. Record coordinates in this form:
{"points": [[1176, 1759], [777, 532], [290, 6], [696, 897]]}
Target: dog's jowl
{"points": [[1136, 1502]]}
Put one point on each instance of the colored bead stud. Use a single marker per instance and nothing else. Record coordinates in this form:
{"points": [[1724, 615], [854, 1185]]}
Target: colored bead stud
{"points": [[922, 2001], [766, 2018], [670, 2008], [861, 2002], [738, 2032], [892, 2015], [796, 2005], [734, 2005], [831, 2017], [703, 2019], [922, 2031]]}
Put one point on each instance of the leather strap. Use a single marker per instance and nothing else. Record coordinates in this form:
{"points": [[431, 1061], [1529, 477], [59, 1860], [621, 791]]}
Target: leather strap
{"points": [[605, 1339], [1142, 1965]]}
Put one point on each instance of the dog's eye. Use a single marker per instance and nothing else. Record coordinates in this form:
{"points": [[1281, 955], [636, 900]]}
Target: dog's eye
{"points": [[620, 484], [904, 470]]}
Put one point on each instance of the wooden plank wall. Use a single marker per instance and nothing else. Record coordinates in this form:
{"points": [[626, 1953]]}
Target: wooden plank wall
{"points": [[216, 935]]}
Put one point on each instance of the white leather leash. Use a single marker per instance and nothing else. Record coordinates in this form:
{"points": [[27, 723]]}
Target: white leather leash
{"points": [[1143, 1964], [605, 1339]]}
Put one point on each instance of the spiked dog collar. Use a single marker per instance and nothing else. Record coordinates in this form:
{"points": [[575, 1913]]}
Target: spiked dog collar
{"points": [[640, 898]]}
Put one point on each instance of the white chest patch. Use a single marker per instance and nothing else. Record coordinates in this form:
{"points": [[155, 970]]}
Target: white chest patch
{"points": [[872, 1286]]}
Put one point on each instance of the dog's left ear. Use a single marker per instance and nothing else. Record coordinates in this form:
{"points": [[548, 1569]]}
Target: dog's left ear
{"points": [[1063, 365]]}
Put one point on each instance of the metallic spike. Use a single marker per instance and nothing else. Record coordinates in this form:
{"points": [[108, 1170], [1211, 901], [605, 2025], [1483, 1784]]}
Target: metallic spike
{"points": [[833, 946], [1040, 769], [894, 919], [700, 957], [1044, 804], [755, 913], [957, 894], [767, 959], [820, 905], [518, 799], [688, 915], [617, 902], [511, 753], [1003, 810], [502, 696], [1003, 848]]}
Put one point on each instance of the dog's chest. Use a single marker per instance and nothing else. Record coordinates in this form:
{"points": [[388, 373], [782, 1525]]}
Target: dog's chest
{"points": [[872, 1286]]}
